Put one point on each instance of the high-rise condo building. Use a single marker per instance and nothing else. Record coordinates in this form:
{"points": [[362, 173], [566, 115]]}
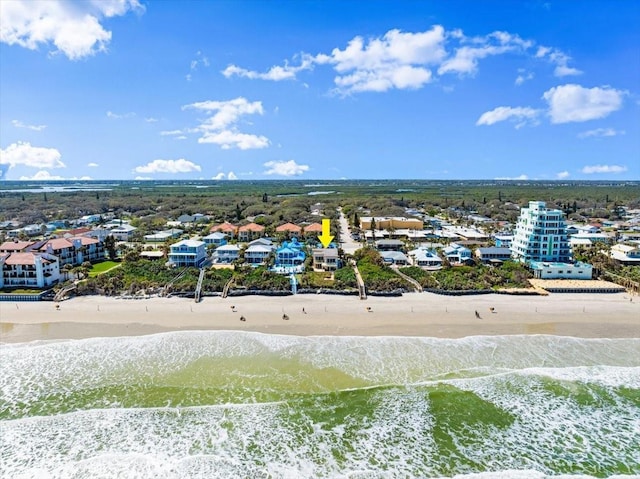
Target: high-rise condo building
{"points": [[541, 235]]}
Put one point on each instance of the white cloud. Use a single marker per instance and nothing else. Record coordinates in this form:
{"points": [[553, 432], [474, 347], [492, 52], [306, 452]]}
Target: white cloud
{"points": [[116, 116], [220, 127], [600, 132], [23, 153], [168, 166], [285, 168], [275, 73], [604, 169], [571, 102], [406, 60], [562, 175], [73, 28], [521, 177], [221, 176], [151, 120], [559, 59], [521, 115], [92, 165], [395, 60], [523, 76], [44, 175], [200, 61], [19, 124], [465, 59], [171, 132], [228, 139], [143, 178]]}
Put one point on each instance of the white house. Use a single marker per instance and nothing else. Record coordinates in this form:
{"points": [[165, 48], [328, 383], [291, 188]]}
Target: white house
{"points": [[227, 253], [325, 259], [188, 253], [257, 254], [123, 232], [425, 258], [626, 254], [215, 239], [552, 270]]}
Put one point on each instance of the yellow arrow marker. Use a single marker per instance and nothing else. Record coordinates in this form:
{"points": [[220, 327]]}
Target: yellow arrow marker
{"points": [[325, 238]]}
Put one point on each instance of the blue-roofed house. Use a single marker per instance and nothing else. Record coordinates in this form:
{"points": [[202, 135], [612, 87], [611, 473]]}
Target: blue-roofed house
{"points": [[290, 256], [457, 254]]}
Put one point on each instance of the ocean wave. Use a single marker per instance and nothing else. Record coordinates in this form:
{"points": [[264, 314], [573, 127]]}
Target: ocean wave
{"points": [[229, 404]]}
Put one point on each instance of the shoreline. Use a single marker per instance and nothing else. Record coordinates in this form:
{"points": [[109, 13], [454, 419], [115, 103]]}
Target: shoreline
{"points": [[612, 315]]}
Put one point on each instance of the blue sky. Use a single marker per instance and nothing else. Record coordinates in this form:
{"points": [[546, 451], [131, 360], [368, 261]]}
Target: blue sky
{"points": [[126, 89]]}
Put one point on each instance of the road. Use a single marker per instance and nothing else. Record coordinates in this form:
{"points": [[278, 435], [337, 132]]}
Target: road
{"points": [[348, 245]]}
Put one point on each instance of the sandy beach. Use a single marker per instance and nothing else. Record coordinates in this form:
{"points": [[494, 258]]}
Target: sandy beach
{"points": [[417, 314]]}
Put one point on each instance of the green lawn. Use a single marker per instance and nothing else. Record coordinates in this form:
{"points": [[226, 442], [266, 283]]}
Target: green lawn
{"points": [[102, 267]]}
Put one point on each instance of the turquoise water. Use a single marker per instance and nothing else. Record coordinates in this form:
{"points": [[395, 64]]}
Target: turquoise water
{"points": [[223, 404]]}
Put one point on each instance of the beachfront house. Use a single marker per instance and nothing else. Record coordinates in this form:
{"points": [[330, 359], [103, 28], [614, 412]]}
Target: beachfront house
{"points": [[290, 257], [626, 254], [554, 270], [188, 253], [226, 254], [425, 258], [457, 254], [493, 254], [258, 251], [326, 259], [28, 270]]}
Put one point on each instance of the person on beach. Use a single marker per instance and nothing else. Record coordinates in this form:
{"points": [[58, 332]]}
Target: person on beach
{"points": [[477, 315], [242, 318], [303, 311], [285, 317]]}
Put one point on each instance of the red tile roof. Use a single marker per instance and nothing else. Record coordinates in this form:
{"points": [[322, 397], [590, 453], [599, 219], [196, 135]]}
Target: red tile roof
{"points": [[85, 240], [23, 258], [251, 227], [57, 244], [224, 227], [313, 228], [288, 227], [15, 245]]}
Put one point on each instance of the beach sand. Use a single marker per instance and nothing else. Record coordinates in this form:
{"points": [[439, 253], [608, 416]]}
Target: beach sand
{"points": [[416, 314]]}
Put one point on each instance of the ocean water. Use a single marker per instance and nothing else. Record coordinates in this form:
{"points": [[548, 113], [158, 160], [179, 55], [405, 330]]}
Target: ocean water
{"points": [[224, 404]]}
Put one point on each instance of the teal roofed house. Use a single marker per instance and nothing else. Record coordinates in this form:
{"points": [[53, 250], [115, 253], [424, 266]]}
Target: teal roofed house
{"points": [[290, 257]]}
